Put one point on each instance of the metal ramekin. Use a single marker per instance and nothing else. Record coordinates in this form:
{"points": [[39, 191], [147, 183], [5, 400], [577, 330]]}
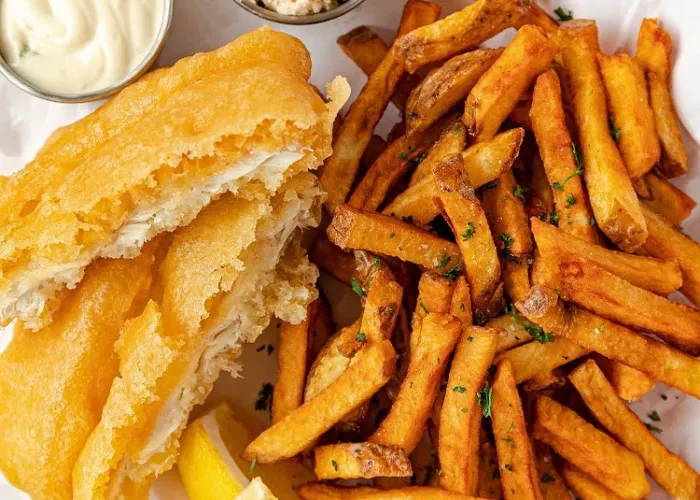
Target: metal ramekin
{"points": [[94, 95], [276, 17]]}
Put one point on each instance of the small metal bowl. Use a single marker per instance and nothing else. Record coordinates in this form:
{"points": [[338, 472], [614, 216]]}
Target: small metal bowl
{"points": [[321, 17], [95, 95]]}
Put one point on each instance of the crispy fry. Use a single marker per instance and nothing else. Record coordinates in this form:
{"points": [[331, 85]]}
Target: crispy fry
{"points": [[560, 164], [323, 328], [630, 112], [381, 308], [540, 199], [374, 150], [630, 384], [292, 356], [516, 460], [458, 442], [318, 491], [463, 212], [459, 32], [585, 487], [659, 276], [374, 367], [351, 140], [332, 260], [360, 460], [535, 15], [499, 90], [546, 380], [613, 341], [434, 296], [552, 485], [505, 211], [489, 477], [511, 331], [668, 200], [670, 471], [516, 278], [612, 196], [603, 293], [393, 163], [589, 449], [404, 426], [461, 304], [445, 87], [534, 358], [356, 229], [654, 54]]}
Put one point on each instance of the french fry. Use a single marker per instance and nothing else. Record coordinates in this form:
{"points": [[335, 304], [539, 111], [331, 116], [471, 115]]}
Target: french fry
{"points": [[613, 341], [292, 358], [459, 32], [516, 461], [630, 112], [377, 233], [499, 89], [584, 486], [589, 449], [458, 443], [511, 331], [434, 296], [654, 54], [489, 476], [560, 163], [668, 200], [374, 150], [483, 163], [394, 163], [332, 260], [536, 16], [461, 303], [505, 211], [629, 384], [354, 134], [323, 328], [659, 276], [669, 470], [463, 212], [381, 308], [552, 485], [540, 199], [546, 380], [533, 359], [520, 114], [318, 491], [404, 426], [374, 367], [611, 297], [516, 278], [613, 199], [445, 87], [360, 460]]}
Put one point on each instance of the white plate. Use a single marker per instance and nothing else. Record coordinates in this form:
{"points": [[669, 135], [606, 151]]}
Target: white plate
{"points": [[201, 25]]}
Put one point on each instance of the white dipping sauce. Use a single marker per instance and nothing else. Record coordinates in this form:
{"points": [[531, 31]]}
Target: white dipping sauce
{"points": [[77, 46]]}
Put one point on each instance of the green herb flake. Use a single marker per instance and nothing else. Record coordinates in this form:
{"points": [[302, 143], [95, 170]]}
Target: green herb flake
{"points": [[554, 218], [559, 186], [519, 192], [424, 308], [577, 156], [444, 260], [251, 469], [470, 338], [419, 159], [377, 263], [614, 131], [654, 415], [535, 331], [564, 15], [460, 389], [570, 200], [457, 129], [469, 232], [356, 287], [485, 398], [361, 337], [591, 221], [453, 272], [464, 410], [546, 478], [653, 428], [391, 235], [334, 464], [403, 155], [508, 467], [407, 218]]}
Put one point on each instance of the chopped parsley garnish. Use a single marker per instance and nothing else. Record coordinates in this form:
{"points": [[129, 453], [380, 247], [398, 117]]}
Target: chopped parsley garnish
{"points": [[507, 241], [508, 467], [564, 15], [377, 263], [570, 200], [577, 156], [654, 415], [264, 401], [559, 186], [444, 260], [470, 338], [464, 410], [519, 192], [546, 478], [424, 308], [535, 331], [356, 287], [251, 469], [334, 464], [653, 428], [614, 131], [361, 337], [419, 159], [485, 398], [460, 389], [452, 272], [469, 232], [407, 218], [457, 129], [403, 155], [391, 235], [391, 310], [591, 221]]}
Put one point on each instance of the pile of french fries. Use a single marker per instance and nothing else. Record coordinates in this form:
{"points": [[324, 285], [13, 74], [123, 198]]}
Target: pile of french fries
{"points": [[513, 246]]}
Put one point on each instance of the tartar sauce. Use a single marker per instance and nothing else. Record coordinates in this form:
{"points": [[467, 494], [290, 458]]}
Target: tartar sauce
{"points": [[77, 46]]}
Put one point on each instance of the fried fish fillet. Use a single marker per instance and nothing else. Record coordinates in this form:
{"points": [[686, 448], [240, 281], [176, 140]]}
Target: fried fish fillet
{"points": [[227, 121]]}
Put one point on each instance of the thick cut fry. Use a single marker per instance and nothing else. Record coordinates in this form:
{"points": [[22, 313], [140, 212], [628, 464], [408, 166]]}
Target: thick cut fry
{"points": [[670, 471], [461, 304], [654, 54], [489, 477], [560, 164], [377, 233], [507, 218], [358, 125], [332, 260], [629, 384], [659, 276], [511, 331], [630, 112], [589, 449], [552, 484], [458, 443], [381, 309], [668, 200], [535, 15], [613, 341], [459, 32], [292, 354], [463, 212], [483, 163], [516, 278], [584, 486], [404, 426], [603, 293], [374, 150], [533, 359], [516, 460], [360, 460], [546, 380], [434, 296], [374, 366], [612, 196], [667, 242], [498, 91], [540, 199], [318, 491], [445, 87]]}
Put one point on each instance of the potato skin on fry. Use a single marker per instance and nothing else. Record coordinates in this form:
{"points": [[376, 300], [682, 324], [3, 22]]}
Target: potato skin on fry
{"points": [[360, 460], [629, 383], [585, 487], [668, 200], [533, 359]]}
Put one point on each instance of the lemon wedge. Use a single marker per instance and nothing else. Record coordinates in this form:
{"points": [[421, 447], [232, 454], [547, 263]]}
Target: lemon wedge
{"points": [[211, 468]]}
